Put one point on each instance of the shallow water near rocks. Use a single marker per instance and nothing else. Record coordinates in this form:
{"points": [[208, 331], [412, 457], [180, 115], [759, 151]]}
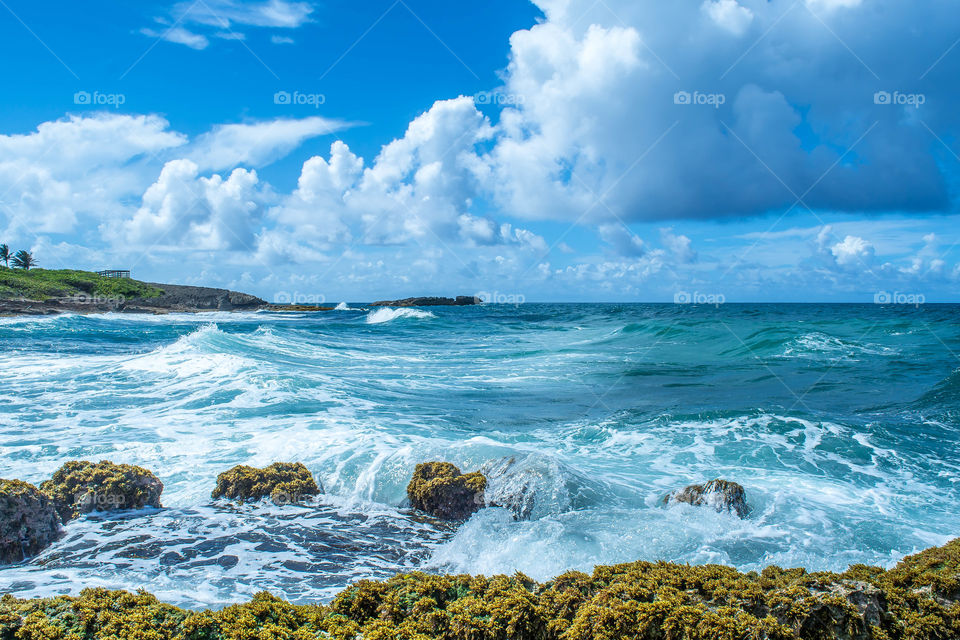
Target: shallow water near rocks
{"points": [[841, 421]]}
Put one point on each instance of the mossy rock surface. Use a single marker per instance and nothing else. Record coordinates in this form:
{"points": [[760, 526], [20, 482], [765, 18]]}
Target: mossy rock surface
{"points": [[28, 521], [80, 487], [719, 494], [635, 601], [282, 482], [440, 489]]}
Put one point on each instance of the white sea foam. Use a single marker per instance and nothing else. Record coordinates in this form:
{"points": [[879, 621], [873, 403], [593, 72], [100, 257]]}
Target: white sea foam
{"points": [[387, 314], [297, 550], [344, 307], [816, 344]]}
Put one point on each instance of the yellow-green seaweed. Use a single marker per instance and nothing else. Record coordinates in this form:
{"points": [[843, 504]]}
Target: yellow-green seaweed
{"points": [[438, 488], [916, 600], [80, 487], [283, 482]]}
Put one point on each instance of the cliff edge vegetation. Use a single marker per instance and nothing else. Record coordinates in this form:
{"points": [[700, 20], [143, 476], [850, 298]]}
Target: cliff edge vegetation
{"points": [[44, 284]]}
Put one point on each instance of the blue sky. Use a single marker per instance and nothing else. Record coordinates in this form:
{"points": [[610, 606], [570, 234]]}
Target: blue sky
{"points": [[557, 150]]}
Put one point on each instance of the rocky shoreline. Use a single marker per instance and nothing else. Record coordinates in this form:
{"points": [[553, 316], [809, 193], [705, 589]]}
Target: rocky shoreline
{"points": [[918, 599], [41, 292], [173, 299], [185, 299]]}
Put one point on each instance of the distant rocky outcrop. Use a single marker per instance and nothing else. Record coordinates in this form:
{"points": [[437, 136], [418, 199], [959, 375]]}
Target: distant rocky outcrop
{"points": [[459, 301], [80, 487], [298, 308], [183, 298], [439, 489], [282, 482], [719, 494], [28, 521]]}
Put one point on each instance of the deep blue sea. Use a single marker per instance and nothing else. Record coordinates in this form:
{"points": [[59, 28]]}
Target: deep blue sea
{"points": [[841, 421]]}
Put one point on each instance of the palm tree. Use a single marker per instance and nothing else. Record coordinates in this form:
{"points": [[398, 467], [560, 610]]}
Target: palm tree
{"points": [[24, 260], [5, 254]]}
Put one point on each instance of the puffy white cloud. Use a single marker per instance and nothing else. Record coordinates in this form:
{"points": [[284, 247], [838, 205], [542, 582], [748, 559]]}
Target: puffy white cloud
{"points": [[75, 144], [853, 250], [64, 169], [928, 261], [729, 14], [183, 208], [790, 117], [623, 241], [419, 189], [678, 245], [419, 185]]}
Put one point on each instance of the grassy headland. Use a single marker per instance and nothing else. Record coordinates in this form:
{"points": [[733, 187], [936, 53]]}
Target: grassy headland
{"points": [[45, 284]]}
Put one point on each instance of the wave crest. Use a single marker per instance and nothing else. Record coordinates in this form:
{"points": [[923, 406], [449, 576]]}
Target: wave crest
{"points": [[386, 315]]}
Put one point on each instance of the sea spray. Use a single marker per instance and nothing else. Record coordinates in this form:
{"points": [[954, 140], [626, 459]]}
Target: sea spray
{"points": [[380, 316]]}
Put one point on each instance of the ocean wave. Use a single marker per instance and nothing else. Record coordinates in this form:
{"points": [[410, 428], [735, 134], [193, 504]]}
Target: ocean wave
{"points": [[387, 314], [28, 322], [199, 317], [582, 420], [343, 306], [816, 344], [493, 542]]}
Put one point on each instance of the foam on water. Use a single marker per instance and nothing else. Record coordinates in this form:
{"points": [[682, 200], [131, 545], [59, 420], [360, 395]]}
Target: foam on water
{"points": [[387, 314], [583, 418]]}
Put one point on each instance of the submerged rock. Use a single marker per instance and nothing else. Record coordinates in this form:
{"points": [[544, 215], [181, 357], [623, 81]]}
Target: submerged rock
{"points": [[80, 487], [533, 486], [719, 494], [282, 482], [438, 488], [28, 521]]}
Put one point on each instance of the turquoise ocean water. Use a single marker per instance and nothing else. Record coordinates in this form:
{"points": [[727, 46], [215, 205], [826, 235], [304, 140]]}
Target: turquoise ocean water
{"points": [[841, 421]]}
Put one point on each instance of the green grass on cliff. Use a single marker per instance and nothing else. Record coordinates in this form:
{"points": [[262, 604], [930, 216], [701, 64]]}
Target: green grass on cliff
{"points": [[917, 600], [42, 284]]}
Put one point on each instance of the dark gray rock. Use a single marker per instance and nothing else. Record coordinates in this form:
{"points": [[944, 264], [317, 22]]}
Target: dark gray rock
{"points": [[28, 521], [184, 298], [719, 494], [459, 301]]}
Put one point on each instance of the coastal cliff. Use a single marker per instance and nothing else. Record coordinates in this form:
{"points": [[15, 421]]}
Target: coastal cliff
{"points": [[48, 292]]}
